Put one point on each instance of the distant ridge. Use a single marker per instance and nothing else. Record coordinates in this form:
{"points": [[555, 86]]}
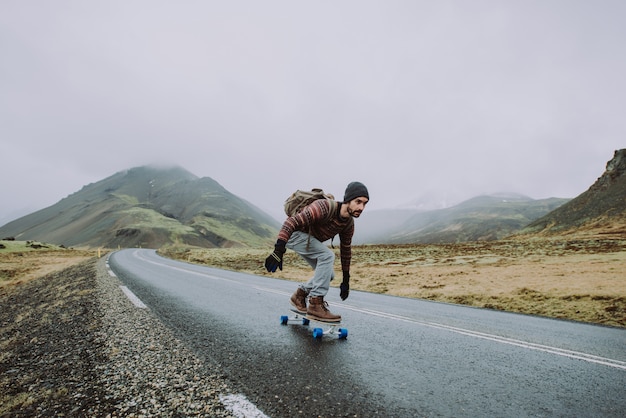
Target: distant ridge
{"points": [[482, 218], [149, 207], [600, 210]]}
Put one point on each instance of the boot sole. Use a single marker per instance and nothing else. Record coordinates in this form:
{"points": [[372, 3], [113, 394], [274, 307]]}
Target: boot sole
{"points": [[295, 309]]}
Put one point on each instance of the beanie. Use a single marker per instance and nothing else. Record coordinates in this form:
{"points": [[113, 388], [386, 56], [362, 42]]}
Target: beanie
{"points": [[354, 190]]}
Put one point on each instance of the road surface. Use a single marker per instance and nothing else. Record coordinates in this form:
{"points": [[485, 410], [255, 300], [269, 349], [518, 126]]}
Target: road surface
{"points": [[402, 358]]}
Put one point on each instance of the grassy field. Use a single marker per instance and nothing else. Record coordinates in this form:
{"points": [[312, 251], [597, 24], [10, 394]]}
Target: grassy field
{"points": [[22, 261], [581, 280]]}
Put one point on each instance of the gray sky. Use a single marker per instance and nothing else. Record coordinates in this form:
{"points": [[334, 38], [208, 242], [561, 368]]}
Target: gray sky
{"points": [[410, 97]]}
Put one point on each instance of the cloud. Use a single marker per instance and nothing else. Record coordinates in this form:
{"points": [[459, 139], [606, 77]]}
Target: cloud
{"points": [[265, 97]]}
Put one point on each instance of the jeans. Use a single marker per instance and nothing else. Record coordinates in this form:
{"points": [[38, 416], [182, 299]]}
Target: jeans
{"points": [[319, 256]]}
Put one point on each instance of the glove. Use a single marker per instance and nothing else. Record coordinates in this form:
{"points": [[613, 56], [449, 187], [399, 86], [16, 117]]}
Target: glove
{"points": [[345, 286], [275, 259]]}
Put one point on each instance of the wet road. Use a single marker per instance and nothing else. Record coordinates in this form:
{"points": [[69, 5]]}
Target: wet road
{"points": [[402, 358]]}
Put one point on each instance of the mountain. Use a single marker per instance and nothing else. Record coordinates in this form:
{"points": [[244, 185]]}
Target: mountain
{"points": [[148, 207], [600, 210], [483, 218]]}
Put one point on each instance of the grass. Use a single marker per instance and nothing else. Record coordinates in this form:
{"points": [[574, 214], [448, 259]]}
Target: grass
{"points": [[23, 261], [576, 279]]}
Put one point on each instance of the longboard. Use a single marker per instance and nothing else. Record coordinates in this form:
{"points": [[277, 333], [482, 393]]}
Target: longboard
{"points": [[325, 328]]}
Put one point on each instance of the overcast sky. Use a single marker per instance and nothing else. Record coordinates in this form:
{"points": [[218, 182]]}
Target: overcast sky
{"points": [[458, 98]]}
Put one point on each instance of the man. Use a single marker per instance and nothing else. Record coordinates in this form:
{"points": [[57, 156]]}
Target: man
{"points": [[305, 232]]}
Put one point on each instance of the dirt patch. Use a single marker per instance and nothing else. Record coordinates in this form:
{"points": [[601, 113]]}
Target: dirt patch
{"points": [[576, 279], [49, 347]]}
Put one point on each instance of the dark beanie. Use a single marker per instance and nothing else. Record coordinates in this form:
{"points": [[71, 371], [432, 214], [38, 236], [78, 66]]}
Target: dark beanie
{"points": [[354, 190]]}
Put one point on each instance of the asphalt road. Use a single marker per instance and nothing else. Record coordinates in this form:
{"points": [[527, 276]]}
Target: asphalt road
{"points": [[402, 357]]}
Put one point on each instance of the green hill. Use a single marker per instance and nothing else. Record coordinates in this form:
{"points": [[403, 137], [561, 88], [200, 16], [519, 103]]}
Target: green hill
{"points": [[483, 218], [148, 207]]}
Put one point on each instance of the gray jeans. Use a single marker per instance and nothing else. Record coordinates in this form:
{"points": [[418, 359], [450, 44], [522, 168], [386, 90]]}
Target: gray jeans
{"points": [[319, 256]]}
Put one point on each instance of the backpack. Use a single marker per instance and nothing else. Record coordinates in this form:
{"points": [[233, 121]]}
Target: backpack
{"points": [[302, 198]]}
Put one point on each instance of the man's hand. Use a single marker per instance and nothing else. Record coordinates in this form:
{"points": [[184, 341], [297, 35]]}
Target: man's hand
{"points": [[345, 286], [275, 259]]}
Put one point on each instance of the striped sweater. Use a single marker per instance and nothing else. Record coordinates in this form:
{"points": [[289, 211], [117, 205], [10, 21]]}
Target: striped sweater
{"points": [[323, 225]]}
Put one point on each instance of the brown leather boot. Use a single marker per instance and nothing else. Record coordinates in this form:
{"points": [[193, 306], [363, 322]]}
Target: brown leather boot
{"points": [[318, 309], [298, 301]]}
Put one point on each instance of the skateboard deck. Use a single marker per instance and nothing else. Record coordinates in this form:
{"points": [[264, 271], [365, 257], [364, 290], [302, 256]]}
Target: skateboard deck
{"points": [[324, 328]]}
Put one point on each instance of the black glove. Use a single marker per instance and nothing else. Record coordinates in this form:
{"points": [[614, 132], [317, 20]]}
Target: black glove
{"points": [[275, 259], [345, 286]]}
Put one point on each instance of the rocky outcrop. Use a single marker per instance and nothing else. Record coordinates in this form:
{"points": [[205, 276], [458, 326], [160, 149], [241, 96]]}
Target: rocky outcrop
{"points": [[615, 170], [601, 207]]}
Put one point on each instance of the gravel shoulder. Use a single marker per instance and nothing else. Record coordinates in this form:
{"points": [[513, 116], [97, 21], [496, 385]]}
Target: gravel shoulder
{"points": [[71, 344]]}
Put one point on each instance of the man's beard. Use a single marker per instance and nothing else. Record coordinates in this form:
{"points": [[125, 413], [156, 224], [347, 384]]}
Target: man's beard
{"points": [[354, 213]]}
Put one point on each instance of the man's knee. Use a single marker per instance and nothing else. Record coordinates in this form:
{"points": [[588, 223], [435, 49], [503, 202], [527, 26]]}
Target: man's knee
{"points": [[327, 257]]}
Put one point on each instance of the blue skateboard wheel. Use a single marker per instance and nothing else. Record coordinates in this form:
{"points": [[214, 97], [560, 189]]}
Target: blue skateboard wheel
{"points": [[343, 333], [305, 321], [284, 319], [318, 332]]}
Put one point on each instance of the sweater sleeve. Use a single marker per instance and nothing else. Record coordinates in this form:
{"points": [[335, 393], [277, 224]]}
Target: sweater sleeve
{"points": [[345, 247]]}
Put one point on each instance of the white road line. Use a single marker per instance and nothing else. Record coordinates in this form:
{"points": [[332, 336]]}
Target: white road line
{"points": [[241, 407], [134, 299], [109, 270], [184, 269]]}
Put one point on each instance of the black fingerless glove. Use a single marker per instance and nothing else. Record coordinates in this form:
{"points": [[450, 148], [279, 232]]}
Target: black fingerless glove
{"points": [[275, 259], [345, 286]]}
